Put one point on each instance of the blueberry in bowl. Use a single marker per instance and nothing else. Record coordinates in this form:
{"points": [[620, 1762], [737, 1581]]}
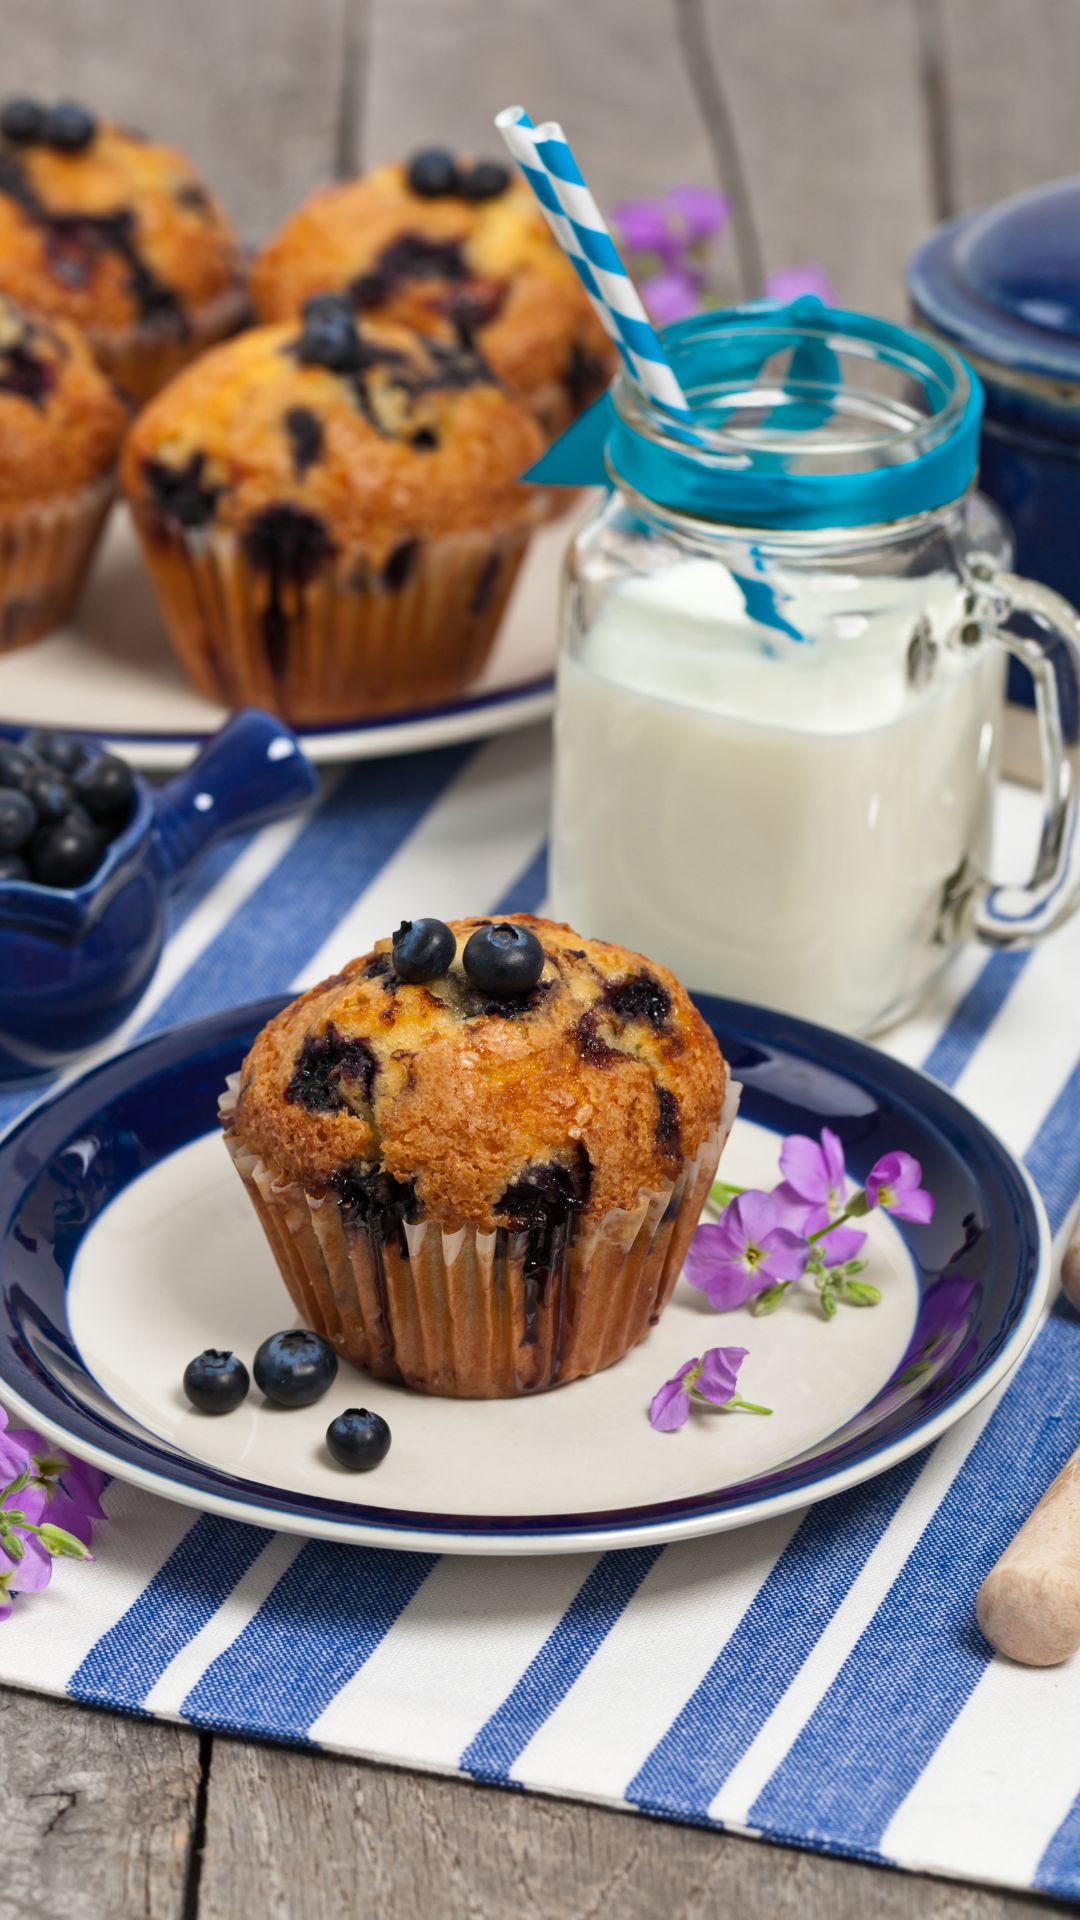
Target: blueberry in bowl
{"points": [[89, 854]]}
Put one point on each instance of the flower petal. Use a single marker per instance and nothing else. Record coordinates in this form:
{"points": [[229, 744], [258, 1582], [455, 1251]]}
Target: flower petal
{"points": [[714, 1244], [734, 1284], [670, 1406], [672, 295], [917, 1206], [786, 1255], [702, 211], [843, 1243], [644, 227], [756, 1214], [720, 1372], [803, 1165], [794, 283], [796, 1213], [832, 1152], [34, 1570]]}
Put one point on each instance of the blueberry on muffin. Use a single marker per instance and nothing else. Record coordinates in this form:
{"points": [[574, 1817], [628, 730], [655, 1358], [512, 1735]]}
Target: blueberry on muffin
{"points": [[450, 247], [117, 235], [482, 1182], [332, 515], [61, 423]]}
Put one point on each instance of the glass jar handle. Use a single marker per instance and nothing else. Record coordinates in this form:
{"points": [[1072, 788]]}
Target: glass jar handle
{"points": [[1008, 916]]}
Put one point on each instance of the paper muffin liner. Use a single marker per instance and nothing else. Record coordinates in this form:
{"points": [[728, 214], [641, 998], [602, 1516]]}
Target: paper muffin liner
{"points": [[475, 1315], [144, 357], [45, 549], [351, 641]]}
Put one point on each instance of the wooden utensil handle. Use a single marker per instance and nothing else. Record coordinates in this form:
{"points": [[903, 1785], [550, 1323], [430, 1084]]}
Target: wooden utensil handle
{"points": [[1029, 1605]]}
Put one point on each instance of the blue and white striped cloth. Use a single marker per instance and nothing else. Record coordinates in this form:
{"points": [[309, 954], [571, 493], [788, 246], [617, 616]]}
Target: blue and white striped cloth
{"points": [[818, 1679]]}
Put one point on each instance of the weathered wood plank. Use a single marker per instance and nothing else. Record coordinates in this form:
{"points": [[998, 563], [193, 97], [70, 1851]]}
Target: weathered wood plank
{"points": [[252, 89], [439, 70], [294, 1832], [827, 105], [97, 1812], [1009, 87]]}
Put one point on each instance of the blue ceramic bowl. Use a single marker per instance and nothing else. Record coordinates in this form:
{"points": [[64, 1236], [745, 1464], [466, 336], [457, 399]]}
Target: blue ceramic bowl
{"points": [[1003, 285], [74, 962]]}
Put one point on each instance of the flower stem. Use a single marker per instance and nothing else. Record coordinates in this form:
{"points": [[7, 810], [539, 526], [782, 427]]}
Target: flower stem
{"points": [[747, 1406]]}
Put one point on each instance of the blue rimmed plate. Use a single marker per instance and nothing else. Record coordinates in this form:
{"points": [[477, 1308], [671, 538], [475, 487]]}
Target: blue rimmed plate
{"points": [[129, 1245]]}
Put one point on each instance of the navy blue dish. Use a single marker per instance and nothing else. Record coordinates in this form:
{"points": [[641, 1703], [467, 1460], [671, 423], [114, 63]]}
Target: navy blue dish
{"points": [[74, 961], [981, 1266], [1003, 285]]}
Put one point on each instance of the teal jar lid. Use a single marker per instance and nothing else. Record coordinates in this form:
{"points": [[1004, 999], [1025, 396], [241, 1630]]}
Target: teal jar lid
{"points": [[801, 417]]}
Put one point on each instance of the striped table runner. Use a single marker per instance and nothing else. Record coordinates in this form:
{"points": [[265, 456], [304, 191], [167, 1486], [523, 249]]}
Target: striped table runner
{"points": [[818, 1679]]}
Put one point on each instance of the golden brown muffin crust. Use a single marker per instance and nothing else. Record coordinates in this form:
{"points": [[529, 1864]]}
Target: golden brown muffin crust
{"points": [[598, 1082], [118, 235], [491, 269], [418, 441], [61, 421]]}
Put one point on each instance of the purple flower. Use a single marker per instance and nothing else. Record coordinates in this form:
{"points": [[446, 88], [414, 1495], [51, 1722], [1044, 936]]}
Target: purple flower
{"points": [[713, 1377], [71, 1489], [643, 227], [793, 283], [700, 212], [814, 1192], [671, 295], [747, 1249], [25, 1565], [894, 1184], [13, 1456]]}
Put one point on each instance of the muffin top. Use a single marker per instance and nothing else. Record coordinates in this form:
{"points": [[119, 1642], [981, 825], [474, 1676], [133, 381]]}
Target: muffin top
{"points": [[439, 246], [442, 1100], [338, 435], [103, 228], [61, 420]]}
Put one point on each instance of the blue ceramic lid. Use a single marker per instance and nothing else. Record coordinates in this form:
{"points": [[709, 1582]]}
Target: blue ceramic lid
{"points": [[1004, 283]]}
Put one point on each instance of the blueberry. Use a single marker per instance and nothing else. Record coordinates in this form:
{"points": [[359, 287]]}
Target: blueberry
{"points": [[485, 181], [503, 960], [433, 173], [423, 950], [294, 1369], [18, 820], [13, 867], [330, 338], [49, 794], [358, 1439], [64, 855], [68, 127], [16, 764], [22, 122], [58, 750], [215, 1381], [105, 787]]}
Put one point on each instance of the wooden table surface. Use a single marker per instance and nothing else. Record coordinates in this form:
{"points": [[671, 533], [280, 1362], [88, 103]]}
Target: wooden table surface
{"points": [[843, 130]]}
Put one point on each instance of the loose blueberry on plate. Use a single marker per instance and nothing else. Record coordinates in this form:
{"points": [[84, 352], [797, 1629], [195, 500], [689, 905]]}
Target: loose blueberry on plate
{"points": [[58, 750], [358, 1439], [215, 1381], [503, 960], [18, 820], [66, 854], [105, 787], [294, 1369], [433, 173], [422, 950], [330, 338], [485, 181], [22, 122], [68, 127]]}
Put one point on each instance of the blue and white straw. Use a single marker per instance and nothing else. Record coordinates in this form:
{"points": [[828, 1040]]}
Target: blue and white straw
{"points": [[545, 158]]}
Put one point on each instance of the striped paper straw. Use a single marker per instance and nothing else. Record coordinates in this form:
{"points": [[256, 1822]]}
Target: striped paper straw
{"points": [[544, 156]]}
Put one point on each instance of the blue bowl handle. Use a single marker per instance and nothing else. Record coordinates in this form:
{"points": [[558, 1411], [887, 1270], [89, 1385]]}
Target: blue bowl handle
{"points": [[251, 772]]}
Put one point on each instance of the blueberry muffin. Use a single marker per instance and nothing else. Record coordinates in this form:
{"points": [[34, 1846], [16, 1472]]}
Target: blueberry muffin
{"points": [[443, 244], [117, 235], [332, 515], [61, 423], [479, 1152]]}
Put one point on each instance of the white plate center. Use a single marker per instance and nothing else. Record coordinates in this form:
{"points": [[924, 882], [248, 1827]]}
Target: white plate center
{"points": [[178, 1263]]}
